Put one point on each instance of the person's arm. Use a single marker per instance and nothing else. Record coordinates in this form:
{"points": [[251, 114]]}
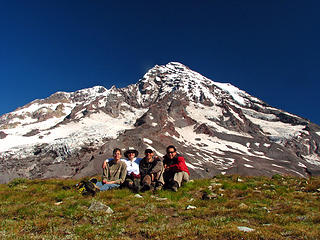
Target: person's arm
{"points": [[165, 162], [105, 174], [158, 166], [142, 170], [104, 164], [178, 167]]}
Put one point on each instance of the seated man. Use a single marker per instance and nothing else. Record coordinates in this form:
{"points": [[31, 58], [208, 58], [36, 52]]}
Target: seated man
{"points": [[151, 170], [132, 180], [175, 169], [114, 172]]}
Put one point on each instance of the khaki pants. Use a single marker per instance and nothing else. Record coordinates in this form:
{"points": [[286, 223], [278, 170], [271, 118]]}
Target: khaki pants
{"points": [[181, 177]]}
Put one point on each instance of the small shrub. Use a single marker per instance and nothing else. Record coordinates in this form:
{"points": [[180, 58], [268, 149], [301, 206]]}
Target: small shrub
{"points": [[16, 182], [277, 177]]}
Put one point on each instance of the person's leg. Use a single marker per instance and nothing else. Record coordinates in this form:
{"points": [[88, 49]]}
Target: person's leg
{"points": [[99, 185], [146, 180], [178, 178], [168, 179], [186, 177], [111, 186], [146, 183], [136, 185], [128, 182], [159, 176], [159, 180], [104, 187]]}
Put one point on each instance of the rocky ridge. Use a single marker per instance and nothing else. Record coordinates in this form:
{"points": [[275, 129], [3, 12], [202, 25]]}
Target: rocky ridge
{"points": [[219, 128]]}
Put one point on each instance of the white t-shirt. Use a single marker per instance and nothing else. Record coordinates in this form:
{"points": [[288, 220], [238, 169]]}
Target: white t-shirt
{"points": [[132, 166]]}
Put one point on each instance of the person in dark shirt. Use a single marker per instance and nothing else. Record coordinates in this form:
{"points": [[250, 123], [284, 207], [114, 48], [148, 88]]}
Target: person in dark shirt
{"points": [[151, 171], [175, 169]]}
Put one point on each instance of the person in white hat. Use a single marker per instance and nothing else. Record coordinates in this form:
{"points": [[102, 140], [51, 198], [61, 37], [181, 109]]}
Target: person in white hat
{"points": [[132, 161]]}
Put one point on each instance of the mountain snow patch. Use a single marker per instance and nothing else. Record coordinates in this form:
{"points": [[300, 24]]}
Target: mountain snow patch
{"points": [[147, 140], [248, 165], [278, 131]]}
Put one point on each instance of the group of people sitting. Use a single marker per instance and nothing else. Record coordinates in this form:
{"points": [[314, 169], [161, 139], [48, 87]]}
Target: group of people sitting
{"points": [[143, 174]]}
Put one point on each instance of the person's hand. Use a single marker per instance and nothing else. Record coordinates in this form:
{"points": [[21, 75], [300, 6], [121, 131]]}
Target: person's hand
{"points": [[107, 182]]}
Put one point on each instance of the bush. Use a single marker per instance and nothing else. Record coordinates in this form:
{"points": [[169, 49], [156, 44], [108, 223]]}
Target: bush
{"points": [[16, 182]]}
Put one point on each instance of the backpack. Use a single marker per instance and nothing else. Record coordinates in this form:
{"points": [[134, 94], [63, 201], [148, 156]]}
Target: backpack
{"points": [[88, 188]]}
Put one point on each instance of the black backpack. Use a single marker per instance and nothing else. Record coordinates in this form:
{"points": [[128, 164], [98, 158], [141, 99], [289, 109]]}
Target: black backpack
{"points": [[88, 188]]}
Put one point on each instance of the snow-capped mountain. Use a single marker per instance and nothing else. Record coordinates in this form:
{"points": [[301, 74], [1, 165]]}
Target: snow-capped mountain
{"points": [[218, 128]]}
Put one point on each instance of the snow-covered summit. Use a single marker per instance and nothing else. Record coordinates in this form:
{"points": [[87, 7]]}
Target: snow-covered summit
{"points": [[162, 80]]}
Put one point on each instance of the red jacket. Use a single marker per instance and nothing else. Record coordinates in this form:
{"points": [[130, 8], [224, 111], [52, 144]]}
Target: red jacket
{"points": [[177, 164]]}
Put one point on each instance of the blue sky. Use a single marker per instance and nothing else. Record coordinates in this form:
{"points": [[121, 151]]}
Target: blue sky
{"points": [[269, 49]]}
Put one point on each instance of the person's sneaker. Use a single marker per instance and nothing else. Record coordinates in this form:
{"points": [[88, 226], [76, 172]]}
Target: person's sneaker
{"points": [[174, 188]]}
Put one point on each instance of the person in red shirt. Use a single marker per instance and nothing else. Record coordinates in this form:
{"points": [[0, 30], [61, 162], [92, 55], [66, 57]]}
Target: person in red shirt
{"points": [[175, 169]]}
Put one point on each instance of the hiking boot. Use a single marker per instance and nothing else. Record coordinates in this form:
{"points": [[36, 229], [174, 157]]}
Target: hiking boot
{"points": [[136, 188], [175, 187], [145, 187], [158, 187]]}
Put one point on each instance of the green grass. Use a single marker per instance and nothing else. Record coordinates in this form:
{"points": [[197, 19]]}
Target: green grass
{"points": [[276, 208]]}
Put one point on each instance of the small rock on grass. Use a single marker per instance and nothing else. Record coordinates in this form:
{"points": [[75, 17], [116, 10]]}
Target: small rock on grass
{"points": [[208, 196], [98, 206], [245, 229], [161, 199], [58, 203], [243, 206], [190, 207]]}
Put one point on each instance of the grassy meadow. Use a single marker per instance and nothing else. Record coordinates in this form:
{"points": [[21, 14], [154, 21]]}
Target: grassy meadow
{"points": [[224, 207]]}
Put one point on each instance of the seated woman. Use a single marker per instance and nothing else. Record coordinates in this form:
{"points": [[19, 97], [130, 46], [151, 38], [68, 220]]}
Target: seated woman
{"points": [[132, 180], [175, 169], [114, 172]]}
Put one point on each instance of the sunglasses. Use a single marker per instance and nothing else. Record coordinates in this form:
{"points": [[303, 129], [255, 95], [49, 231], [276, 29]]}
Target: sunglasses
{"points": [[170, 152]]}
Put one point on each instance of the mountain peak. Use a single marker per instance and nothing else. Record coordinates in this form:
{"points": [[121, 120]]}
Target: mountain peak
{"points": [[175, 77], [218, 127]]}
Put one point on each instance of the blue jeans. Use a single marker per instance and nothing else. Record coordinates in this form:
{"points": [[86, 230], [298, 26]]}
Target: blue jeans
{"points": [[104, 187]]}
